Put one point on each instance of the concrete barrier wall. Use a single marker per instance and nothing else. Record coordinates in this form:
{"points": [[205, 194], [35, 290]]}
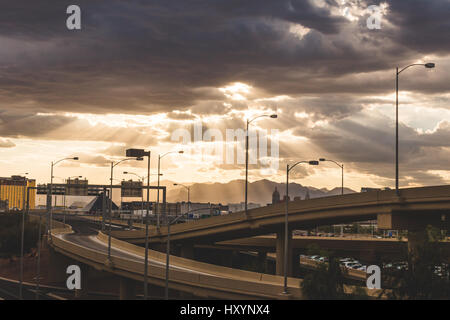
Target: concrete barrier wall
{"points": [[239, 282], [213, 270], [328, 209]]}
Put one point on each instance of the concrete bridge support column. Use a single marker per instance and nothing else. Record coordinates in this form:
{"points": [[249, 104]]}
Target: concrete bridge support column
{"points": [[281, 252], [295, 263], [57, 266], [369, 256], [262, 262], [127, 289]]}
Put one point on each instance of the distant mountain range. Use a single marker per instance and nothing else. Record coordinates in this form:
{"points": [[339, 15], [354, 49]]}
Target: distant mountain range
{"points": [[259, 192], [233, 192]]}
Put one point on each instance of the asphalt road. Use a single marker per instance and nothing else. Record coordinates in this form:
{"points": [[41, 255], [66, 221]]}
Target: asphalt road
{"points": [[85, 232]]}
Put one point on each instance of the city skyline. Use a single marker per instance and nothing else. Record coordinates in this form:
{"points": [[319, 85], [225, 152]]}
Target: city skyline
{"points": [[120, 83]]}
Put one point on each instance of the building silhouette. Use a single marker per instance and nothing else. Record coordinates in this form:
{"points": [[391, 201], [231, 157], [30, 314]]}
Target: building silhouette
{"points": [[275, 196], [307, 197]]}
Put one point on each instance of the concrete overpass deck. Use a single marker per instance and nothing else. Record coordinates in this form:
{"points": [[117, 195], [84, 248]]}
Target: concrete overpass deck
{"points": [[412, 208]]}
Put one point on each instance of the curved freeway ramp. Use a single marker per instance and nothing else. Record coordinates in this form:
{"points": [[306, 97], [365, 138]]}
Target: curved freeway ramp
{"points": [[200, 279]]}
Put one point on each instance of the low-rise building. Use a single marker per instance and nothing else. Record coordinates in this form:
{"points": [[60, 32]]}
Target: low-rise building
{"points": [[238, 207], [13, 192]]}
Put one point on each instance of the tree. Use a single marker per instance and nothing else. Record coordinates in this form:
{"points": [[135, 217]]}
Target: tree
{"points": [[10, 235], [427, 275]]}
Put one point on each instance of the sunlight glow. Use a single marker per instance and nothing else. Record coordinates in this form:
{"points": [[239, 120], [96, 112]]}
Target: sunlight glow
{"points": [[236, 91], [299, 31]]}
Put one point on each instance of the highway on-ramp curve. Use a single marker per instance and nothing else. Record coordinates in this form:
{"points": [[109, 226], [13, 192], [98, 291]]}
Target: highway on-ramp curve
{"points": [[198, 278]]}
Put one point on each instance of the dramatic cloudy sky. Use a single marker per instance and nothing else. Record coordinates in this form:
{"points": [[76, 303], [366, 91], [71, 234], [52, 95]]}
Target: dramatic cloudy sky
{"points": [[139, 70]]}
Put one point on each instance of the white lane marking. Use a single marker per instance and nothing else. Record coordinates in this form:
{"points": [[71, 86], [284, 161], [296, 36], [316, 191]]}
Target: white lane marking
{"points": [[95, 239]]}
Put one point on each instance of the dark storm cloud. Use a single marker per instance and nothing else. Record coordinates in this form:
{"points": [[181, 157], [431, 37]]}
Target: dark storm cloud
{"points": [[15, 124], [147, 56], [155, 52], [142, 57], [422, 24]]}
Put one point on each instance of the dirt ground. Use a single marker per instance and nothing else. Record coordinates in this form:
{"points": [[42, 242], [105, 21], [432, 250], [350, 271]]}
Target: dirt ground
{"points": [[10, 268]]}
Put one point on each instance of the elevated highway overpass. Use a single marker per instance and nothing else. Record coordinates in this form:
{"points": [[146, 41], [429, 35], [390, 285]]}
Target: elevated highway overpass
{"points": [[367, 249], [412, 209]]}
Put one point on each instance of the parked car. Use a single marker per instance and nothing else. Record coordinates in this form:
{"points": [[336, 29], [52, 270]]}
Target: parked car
{"points": [[349, 264], [400, 265], [362, 268]]}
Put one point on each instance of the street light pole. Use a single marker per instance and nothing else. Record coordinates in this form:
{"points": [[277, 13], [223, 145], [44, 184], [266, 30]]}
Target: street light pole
{"points": [[286, 218], [110, 211], [139, 154], [188, 194], [396, 132], [157, 196], [273, 116], [111, 200], [429, 65], [169, 223], [50, 211], [148, 154], [246, 167], [21, 242], [38, 267]]}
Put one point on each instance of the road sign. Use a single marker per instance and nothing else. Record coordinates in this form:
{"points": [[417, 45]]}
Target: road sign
{"points": [[77, 187], [136, 153], [131, 189]]}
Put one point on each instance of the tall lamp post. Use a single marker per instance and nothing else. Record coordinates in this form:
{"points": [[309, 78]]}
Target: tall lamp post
{"points": [[157, 196], [24, 189], [188, 194], [429, 65], [249, 121], [142, 194], [50, 215], [286, 219], [342, 171], [111, 200], [139, 154], [169, 223]]}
